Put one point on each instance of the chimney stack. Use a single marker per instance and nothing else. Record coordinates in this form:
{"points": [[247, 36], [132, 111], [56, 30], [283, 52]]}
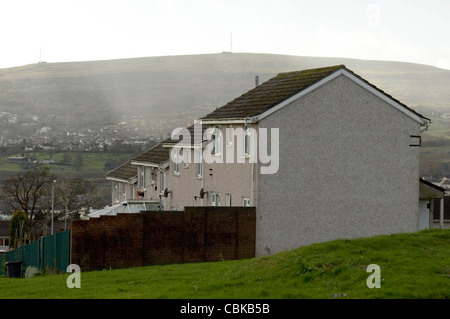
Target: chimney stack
{"points": [[256, 80]]}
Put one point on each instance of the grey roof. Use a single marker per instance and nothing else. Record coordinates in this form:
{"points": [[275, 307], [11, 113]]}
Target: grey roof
{"points": [[124, 172], [279, 89], [156, 155]]}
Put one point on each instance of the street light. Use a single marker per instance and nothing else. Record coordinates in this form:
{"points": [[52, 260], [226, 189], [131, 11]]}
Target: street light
{"points": [[53, 195]]}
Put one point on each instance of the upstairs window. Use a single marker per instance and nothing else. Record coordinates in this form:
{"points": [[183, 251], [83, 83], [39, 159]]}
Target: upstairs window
{"points": [[246, 141], [216, 140], [176, 160], [153, 176], [142, 177], [162, 181], [122, 189], [116, 192], [186, 157], [132, 192], [230, 135], [198, 163]]}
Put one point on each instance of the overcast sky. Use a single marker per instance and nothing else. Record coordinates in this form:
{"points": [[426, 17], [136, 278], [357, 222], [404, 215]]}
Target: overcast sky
{"points": [[78, 30]]}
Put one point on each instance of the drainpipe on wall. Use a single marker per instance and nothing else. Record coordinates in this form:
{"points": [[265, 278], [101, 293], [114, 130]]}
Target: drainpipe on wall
{"points": [[253, 174], [253, 186], [203, 182], [162, 172]]}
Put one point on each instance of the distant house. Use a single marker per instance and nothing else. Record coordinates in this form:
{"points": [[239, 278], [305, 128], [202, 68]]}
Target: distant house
{"points": [[48, 161], [141, 178], [18, 159], [40, 229], [152, 173], [322, 153], [124, 181], [4, 234], [432, 209], [440, 217]]}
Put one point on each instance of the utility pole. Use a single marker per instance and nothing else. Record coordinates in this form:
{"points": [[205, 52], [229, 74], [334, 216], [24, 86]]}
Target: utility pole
{"points": [[53, 201]]}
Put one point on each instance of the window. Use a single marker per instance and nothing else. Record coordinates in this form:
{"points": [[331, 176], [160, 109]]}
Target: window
{"points": [[132, 190], [153, 176], [186, 157], [227, 199], [216, 138], [176, 160], [198, 163], [245, 202], [230, 135], [122, 189], [142, 177], [116, 192], [162, 181], [215, 199], [247, 141]]}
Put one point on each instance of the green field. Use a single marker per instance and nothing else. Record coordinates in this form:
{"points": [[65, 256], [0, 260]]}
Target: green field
{"points": [[92, 168], [412, 266], [91, 161]]}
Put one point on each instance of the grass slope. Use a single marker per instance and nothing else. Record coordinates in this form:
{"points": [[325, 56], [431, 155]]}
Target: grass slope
{"points": [[415, 265]]}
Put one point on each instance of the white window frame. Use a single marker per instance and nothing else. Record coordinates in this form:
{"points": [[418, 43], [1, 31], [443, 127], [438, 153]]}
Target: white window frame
{"points": [[153, 176], [176, 161], [245, 202], [142, 177], [186, 157], [246, 144], [116, 192], [123, 190], [230, 135], [162, 181], [228, 200], [215, 199], [132, 192], [199, 164], [216, 139]]}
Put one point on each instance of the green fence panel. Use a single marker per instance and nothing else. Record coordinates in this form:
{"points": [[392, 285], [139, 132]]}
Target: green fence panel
{"points": [[31, 255], [49, 252], [2, 258], [62, 250], [15, 255]]}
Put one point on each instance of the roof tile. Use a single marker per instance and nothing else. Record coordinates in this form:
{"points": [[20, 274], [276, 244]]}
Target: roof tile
{"points": [[156, 155], [278, 89]]}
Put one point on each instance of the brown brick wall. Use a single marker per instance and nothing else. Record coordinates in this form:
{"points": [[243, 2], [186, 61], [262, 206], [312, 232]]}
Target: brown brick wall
{"points": [[195, 235]]}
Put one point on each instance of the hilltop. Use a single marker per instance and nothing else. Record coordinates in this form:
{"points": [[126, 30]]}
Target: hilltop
{"points": [[177, 89]]}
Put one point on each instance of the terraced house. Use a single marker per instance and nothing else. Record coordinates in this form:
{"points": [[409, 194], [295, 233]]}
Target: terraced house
{"points": [[322, 153]]}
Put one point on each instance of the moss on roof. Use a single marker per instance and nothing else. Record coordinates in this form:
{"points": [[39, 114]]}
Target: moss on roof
{"points": [[156, 155], [278, 89], [125, 172], [271, 92]]}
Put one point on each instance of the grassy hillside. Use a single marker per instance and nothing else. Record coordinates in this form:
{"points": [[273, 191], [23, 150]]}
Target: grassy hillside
{"points": [[186, 87], [415, 265]]}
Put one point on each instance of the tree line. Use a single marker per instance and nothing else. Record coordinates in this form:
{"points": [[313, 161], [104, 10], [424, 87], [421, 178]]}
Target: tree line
{"points": [[35, 193]]}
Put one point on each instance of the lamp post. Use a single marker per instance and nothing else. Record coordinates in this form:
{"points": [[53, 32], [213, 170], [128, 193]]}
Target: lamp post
{"points": [[53, 195]]}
